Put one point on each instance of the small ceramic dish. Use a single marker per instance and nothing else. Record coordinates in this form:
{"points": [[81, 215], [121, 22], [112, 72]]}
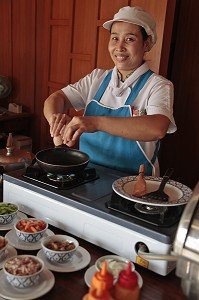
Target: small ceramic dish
{"points": [[8, 212], [115, 264], [59, 248], [30, 230], [24, 277]]}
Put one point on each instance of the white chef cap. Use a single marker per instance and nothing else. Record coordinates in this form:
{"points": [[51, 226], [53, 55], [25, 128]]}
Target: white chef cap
{"points": [[138, 16]]}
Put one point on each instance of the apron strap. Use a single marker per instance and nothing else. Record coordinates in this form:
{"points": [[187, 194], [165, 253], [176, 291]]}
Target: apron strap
{"points": [[138, 86], [103, 86], [155, 152]]}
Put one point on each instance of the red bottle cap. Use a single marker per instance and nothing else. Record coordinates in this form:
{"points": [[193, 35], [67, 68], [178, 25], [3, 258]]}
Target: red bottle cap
{"points": [[128, 278]]}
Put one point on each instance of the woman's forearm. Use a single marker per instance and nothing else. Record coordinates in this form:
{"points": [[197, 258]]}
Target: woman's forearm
{"points": [[54, 104], [143, 128]]}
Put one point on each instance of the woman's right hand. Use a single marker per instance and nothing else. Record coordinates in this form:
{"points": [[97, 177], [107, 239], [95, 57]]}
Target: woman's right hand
{"points": [[57, 124]]}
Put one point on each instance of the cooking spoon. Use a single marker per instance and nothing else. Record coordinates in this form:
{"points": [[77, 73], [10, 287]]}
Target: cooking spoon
{"points": [[159, 194]]}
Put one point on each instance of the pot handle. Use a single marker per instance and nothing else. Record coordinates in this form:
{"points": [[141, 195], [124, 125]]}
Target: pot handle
{"points": [[152, 256]]}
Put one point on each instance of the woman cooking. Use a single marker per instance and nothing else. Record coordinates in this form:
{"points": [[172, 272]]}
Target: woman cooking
{"points": [[127, 110]]}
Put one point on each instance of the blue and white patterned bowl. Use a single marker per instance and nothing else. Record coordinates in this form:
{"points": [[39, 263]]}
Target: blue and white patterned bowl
{"points": [[30, 237], [58, 256], [19, 280], [8, 218]]}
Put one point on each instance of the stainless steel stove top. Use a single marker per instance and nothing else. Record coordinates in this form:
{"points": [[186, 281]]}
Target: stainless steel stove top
{"points": [[84, 211], [95, 197]]}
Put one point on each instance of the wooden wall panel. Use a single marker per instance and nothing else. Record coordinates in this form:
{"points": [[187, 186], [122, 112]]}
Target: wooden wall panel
{"points": [[6, 38], [84, 34], [78, 67], [84, 38], [6, 44], [61, 9], [109, 8], [41, 75], [57, 43], [23, 55], [59, 54]]}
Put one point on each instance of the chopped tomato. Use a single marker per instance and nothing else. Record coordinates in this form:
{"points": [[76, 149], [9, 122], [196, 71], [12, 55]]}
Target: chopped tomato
{"points": [[31, 225]]}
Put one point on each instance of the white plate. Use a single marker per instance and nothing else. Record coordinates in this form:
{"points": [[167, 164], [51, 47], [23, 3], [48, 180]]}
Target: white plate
{"points": [[179, 194], [115, 263], [9, 252], [44, 285], [91, 271], [80, 260], [9, 226], [19, 244]]}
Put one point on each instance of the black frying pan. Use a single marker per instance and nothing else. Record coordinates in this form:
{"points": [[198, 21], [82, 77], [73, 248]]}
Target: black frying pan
{"points": [[62, 161]]}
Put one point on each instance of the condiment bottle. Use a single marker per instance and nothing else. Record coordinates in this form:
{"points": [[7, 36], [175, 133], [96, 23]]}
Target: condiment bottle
{"points": [[102, 278], [98, 293], [126, 287], [139, 187]]}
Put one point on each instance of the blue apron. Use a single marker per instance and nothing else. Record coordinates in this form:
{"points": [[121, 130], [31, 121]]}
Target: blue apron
{"points": [[113, 151]]}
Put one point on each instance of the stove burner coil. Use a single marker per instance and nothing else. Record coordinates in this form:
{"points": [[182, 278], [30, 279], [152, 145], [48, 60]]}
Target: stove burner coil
{"points": [[149, 209], [60, 178], [61, 182], [161, 216]]}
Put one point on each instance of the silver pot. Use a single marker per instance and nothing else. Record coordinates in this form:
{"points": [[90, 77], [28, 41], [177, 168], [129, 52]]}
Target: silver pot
{"points": [[186, 247]]}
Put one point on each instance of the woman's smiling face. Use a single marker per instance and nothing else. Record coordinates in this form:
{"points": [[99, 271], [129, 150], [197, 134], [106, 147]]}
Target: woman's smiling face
{"points": [[127, 47]]}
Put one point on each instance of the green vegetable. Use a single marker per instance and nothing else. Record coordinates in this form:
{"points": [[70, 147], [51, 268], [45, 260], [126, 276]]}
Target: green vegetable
{"points": [[7, 208]]}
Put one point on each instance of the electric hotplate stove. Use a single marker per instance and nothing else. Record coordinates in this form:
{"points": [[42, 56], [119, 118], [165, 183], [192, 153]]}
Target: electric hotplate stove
{"points": [[86, 206]]}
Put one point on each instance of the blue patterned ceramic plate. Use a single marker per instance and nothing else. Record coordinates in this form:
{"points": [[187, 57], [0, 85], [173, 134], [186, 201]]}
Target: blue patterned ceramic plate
{"points": [[19, 244], [79, 261], [9, 252], [179, 194], [44, 285], [9, 226]]}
